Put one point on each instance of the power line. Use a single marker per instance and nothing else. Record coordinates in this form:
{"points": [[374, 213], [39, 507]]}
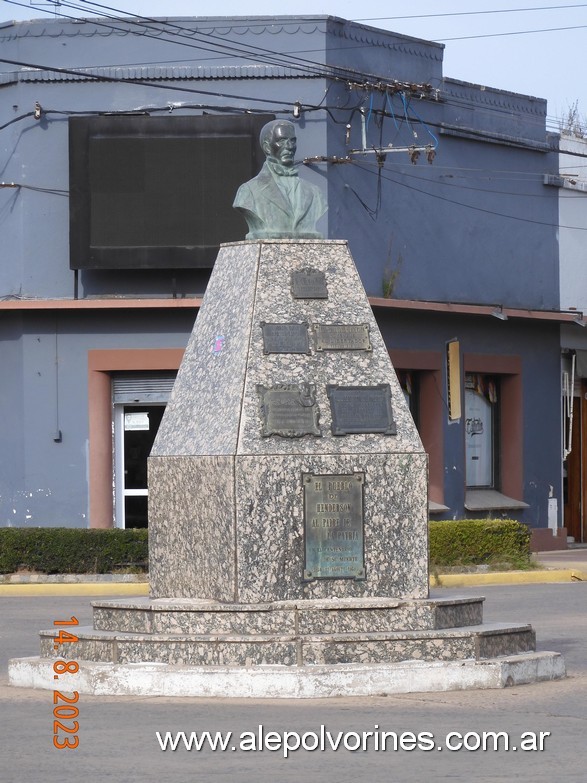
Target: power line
{"points": [[323, 70], [365, 167], [518, 32], [232, 50], [38, 189], [145, 82], [249, 51], [469, 13], [284, 23]]}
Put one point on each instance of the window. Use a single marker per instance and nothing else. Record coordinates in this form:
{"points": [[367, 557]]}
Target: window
{"points": [[481, 430]]}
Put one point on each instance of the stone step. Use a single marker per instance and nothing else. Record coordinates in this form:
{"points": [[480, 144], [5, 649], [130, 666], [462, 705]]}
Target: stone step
{"points": [[291, 682], [285, 617], [476, 642]]}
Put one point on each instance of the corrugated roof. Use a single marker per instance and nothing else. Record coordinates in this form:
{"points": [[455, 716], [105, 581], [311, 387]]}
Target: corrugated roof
{"points": [[158, 73]]}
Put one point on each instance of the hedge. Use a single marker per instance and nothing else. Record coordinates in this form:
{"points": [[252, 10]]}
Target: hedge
{"points": [[467, 542], [58, 550]]}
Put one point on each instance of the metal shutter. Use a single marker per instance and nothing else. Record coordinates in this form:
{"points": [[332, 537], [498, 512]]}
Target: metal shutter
{"points": [[142, 387]]}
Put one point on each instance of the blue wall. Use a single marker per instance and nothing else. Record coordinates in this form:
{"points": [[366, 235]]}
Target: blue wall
{"points": [[43, 482], [537, 345]]}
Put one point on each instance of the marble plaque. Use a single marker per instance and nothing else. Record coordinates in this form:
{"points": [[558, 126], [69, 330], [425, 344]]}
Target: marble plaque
{"points": [[361, 409], [289, 410], [333, 526], [308, 283], [285, 338], [342, 337]]}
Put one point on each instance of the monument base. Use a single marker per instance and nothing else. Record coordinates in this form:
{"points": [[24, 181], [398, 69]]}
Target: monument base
{"points": [[292, 682], [289, 649]]}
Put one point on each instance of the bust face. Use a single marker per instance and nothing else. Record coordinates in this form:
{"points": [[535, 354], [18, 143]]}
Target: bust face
{"points": [[282, 145]]}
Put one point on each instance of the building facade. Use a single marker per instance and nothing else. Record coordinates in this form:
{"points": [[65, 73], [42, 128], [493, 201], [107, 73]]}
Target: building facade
{"points": [[571, 185], [121, 143]]}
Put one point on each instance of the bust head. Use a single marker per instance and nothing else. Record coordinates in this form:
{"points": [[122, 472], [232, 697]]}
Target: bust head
{"points": [[278, 142]]}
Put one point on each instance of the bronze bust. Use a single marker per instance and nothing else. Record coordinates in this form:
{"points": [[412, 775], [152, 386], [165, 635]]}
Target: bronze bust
{"points": [[277, 204]]}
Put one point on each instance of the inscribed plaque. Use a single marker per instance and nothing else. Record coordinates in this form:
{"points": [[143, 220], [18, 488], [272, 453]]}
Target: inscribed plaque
{"points": [[333, 526], [361, 409], [308, 283], [289, 410], [285, 338], [342, 337]]}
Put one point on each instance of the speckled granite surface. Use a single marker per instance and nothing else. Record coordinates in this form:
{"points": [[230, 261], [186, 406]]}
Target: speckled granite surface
{"points": [[191, 527], [203, 413], [232, 528], [304, 617], [295, 649], [270, 526]]}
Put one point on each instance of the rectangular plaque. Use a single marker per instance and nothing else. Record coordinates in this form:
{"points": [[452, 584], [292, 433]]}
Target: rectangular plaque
{"points": [[342, 337], [285, 338], [333, 526], [289, 410], [361, 409], [308, 283]]}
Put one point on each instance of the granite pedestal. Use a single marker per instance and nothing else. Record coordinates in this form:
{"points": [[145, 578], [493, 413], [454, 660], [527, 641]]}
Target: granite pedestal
{"points": [[226, 503]]}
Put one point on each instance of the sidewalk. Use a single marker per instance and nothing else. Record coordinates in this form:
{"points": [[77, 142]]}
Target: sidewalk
{"points": [[569, 565]]}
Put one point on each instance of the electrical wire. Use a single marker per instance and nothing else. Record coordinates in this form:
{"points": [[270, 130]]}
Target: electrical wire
{"points": [[177, 31], [184, 89], [20, 186], [470, 13], [17, 119], [367, 169], [145, 82], [514, 32], [233, 51], [188, 34], [493, 191]]}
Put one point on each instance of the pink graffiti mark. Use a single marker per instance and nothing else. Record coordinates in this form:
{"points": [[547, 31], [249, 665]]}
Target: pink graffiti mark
{"points": [[218, 344]]}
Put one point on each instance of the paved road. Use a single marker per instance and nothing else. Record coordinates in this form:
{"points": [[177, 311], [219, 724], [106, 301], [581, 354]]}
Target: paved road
{"points": [[118, 741]]}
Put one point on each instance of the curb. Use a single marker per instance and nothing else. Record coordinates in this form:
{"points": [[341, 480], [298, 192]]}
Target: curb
{"points": [[509, 578], [441, 580], [75, 588]]}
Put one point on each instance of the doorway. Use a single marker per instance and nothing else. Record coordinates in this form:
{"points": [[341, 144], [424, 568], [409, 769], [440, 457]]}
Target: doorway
{"points": [[575, 469], [136, 427], [139, 401]]}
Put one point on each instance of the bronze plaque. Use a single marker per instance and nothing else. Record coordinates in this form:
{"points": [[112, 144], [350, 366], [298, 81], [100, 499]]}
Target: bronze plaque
{"points": [[342, 337], [308, 283], [333, 526], [285, 338], [289, 410], [361, 409]]}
